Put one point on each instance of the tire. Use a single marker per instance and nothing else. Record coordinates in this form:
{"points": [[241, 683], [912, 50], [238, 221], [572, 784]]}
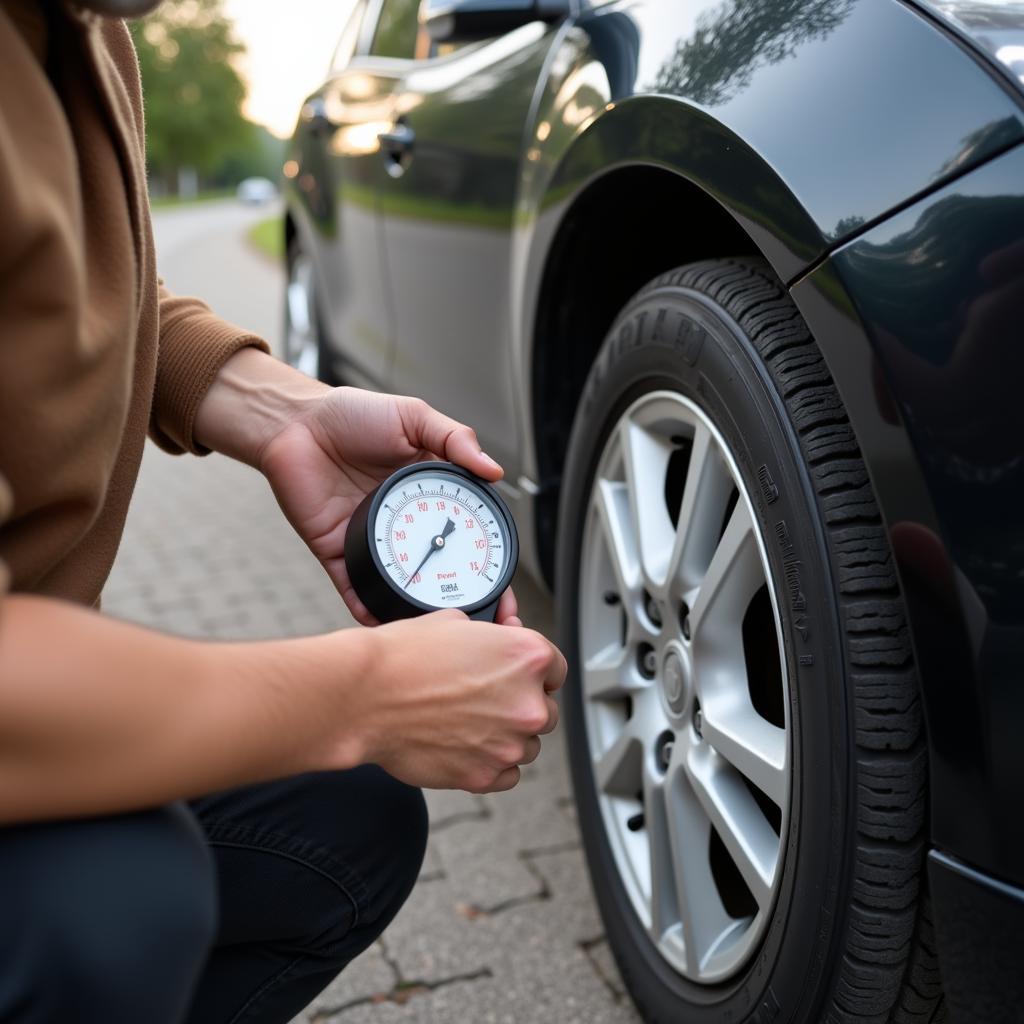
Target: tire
{"points": [[801, 676], [305, 346]]}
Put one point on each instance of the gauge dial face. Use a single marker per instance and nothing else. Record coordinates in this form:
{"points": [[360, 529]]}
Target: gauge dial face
{"points": [[441, 539]]}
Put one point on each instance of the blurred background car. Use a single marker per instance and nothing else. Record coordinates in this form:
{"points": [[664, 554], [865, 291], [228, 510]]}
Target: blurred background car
{"points": [[734, 290], [256, 191]]}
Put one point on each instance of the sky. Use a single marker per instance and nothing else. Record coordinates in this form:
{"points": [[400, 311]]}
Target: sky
{"points": [[290, 45]]}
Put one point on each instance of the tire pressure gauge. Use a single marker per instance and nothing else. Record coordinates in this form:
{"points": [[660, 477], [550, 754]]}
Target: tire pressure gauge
{"points": [[431, 536]]}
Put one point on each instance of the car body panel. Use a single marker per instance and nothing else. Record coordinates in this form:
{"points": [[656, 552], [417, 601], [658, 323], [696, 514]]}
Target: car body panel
{"points": [[335, 185], [447, 220], [922, 322]]}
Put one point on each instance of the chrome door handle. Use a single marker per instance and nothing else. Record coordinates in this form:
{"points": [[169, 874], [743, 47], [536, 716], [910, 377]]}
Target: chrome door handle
{"points": [[399, 139]]}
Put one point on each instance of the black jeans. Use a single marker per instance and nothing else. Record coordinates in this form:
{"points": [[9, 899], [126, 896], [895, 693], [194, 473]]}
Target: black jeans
{"points": [[239, 907]]}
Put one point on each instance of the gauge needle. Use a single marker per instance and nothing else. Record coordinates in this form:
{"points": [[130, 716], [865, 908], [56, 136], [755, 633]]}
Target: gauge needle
{"points": [[436, 543]]}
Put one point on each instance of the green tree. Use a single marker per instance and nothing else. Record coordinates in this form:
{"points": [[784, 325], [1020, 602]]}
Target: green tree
{"points": [[193, 94]]}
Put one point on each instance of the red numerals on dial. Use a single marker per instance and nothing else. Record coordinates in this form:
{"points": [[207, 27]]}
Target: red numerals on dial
{"points": [[440, 506], [422, 506], [480, 543], [474, 566], [409, 517], [403, 557], [469, 524], [399, 534]]}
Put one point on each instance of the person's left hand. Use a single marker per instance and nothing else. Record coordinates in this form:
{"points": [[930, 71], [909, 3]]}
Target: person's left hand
{"points": [[323, 464]]}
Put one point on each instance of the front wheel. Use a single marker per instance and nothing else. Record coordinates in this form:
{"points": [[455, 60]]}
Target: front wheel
{"points": [[743, 713]]}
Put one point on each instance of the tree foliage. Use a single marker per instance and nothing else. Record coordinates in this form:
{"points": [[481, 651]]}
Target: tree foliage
{"points": [[193, 93]]}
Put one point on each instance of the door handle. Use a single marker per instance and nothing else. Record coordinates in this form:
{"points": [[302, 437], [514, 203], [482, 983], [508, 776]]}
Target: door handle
{"points": [[399, 139], [397, 146]]}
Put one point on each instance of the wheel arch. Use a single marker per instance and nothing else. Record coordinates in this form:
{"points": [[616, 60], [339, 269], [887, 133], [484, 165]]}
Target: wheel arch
{"points": [[651, 160]]}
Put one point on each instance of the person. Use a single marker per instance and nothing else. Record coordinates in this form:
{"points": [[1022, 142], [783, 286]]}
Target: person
{"points": [[195, 831]]}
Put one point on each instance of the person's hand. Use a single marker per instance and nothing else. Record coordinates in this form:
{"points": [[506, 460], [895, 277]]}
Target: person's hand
{"points": [[324, 462], [449, 703]]}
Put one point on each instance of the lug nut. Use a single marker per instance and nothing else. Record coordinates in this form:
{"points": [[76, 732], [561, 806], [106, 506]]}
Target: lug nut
{"points": [[663, 750], [653, 611], [610, 597], [649, 662], [698, 723], [666, 754], [686, 628]]}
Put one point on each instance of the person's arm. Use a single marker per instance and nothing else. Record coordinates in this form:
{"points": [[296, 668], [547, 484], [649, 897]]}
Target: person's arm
{"points": [[97, 716]]}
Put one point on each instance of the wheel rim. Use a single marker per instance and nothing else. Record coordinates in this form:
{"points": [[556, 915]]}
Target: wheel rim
{"points": [[301, 342], [684, 687]]}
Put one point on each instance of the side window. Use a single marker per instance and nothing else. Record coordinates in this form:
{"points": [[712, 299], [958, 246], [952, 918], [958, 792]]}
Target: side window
{"points": [[349, 37], [397, 29]]}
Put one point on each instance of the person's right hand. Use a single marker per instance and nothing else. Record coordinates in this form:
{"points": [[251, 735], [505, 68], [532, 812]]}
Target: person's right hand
{"points": [[453, 704]]}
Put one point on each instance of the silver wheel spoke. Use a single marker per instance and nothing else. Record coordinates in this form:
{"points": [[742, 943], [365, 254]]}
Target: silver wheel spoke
{"points": [[750, 743], [618, 770], [301, 342], [701, 912], [645, 458], [742, 827], [612, 501], [298, 309], [733, 577], [610, 674], [705, 496], [664, 899]]}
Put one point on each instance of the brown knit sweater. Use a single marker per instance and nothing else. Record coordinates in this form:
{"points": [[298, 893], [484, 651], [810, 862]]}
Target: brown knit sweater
{"points": [[93, 350]]}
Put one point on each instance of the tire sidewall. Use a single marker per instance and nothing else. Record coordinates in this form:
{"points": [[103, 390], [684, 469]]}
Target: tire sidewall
{"points": [[678, 339]]}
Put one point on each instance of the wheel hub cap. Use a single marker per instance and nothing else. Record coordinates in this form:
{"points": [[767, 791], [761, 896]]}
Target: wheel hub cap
{"points": [[674, 683]]}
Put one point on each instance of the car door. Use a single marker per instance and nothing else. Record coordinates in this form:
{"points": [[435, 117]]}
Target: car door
{"points": [[453, 155], [339, 126]]}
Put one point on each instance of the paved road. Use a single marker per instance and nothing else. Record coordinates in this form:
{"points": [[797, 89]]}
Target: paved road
{"points": [[501, 927]]}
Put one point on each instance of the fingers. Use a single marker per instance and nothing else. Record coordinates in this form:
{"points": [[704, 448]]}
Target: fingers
{"points": [[505, 780], [552, 722], [557, 669], [508, 610], [531, 750], [446, 438]]}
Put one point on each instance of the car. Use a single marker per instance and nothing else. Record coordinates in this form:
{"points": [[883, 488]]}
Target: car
{"points": [[734, 289], [256, 191]]}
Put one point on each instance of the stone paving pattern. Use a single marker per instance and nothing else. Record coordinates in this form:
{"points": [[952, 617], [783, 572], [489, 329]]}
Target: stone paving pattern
{"points": [[501, 927]]}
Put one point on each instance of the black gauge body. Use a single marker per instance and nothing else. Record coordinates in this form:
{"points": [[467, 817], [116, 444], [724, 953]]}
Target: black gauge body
{"points": [[431, 536]]}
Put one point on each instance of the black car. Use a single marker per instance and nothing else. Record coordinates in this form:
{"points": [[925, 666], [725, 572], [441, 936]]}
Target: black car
{"points": [[734, 289]]}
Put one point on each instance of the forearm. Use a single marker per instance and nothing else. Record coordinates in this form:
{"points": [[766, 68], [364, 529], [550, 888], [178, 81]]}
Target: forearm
{"points": [[97, 716], [252, 398]]}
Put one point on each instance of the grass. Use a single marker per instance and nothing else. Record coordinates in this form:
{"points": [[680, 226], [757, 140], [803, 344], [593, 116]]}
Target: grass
{"points": [[168, 202], [268, 237]]}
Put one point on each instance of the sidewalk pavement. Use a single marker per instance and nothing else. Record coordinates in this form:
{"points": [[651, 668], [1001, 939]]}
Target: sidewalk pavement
{"points": [[501, 927]]}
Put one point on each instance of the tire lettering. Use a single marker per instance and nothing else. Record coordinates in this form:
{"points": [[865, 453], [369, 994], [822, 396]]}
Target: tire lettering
{"points": [[768, 489]]}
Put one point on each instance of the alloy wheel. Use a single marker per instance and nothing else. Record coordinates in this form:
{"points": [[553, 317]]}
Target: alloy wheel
{"points": [[684, 685]]}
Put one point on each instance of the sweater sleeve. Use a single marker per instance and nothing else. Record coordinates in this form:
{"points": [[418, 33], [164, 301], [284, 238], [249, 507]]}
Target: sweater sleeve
{"points": [[194, 344], [5, 511]]}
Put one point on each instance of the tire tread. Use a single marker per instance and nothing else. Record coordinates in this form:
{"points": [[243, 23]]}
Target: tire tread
{"points": [[888, 968]]}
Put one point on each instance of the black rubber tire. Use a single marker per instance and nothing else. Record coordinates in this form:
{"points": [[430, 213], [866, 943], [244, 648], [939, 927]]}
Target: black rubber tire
{"points": [[850, 937], [325, 371]]}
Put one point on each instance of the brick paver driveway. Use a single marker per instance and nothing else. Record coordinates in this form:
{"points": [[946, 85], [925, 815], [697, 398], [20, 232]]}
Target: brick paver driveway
{"points": [[501, 926]]}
